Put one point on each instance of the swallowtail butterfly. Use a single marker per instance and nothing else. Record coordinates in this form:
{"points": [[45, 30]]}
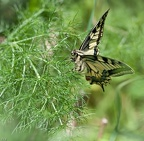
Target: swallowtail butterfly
{"points": [[97, 69]]}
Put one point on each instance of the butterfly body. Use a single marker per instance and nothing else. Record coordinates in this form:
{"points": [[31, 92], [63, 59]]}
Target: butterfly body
{"points": [[97, 69]]}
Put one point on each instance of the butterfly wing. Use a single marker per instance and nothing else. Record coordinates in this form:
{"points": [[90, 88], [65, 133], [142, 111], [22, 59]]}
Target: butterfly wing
{"points": [[92, 40], [100, 69]]}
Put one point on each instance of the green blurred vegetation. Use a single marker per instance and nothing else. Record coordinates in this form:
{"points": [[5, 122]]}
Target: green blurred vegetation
{"points": [[40, 95]]}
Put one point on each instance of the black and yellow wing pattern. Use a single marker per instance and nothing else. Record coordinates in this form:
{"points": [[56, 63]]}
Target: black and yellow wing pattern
{"points": [[93, 38], [97, 69]]}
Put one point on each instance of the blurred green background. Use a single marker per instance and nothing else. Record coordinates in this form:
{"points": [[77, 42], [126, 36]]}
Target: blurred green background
{"points": [[41, 98]]}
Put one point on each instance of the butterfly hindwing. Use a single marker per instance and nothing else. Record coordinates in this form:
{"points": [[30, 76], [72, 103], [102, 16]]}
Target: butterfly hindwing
{"points": [[100, 69]]}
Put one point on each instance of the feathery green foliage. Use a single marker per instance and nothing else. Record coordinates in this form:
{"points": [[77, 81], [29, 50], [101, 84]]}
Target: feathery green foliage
{"points": [[38, 87]]}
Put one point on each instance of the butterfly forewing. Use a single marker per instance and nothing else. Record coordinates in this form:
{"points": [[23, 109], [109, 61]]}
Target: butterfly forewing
{"points": [[92, 40]]}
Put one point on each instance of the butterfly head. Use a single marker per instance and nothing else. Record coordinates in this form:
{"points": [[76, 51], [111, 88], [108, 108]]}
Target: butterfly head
{"points": [[74, 55]]}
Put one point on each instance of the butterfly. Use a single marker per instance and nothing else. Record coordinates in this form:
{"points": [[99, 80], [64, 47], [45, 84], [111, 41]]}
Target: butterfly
{"points": [[97, 69]]}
